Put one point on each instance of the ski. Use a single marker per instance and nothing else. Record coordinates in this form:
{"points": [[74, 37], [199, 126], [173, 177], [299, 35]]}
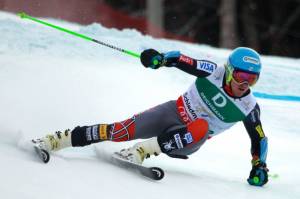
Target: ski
{"points": [[154, 173], [42, 153]]}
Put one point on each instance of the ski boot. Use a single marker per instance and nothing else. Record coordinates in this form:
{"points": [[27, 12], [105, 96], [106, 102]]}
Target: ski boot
{"points": [[138, 152], [54, 142]]}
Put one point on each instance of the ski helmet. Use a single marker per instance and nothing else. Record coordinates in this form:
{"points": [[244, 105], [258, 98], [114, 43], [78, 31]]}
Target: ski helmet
{"points": [[243, 59]]}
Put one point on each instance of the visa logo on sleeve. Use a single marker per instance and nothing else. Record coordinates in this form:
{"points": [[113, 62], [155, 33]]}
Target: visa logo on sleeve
{"points": [[206, 66]]}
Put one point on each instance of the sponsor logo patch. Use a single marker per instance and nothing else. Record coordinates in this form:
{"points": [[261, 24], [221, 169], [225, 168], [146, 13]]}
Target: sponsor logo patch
{"points": [[189, 106], [168, 146], [260, 131], [186, 60], [219, 100], [95, 132], [206, 66], [181, 110], [103, 131], [178, 141], [188, 137], [88, 134], [251, 60], [253, 117]]}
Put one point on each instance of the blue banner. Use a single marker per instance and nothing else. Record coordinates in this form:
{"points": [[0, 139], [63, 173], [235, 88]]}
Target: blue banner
{"points": [[277, 97]]}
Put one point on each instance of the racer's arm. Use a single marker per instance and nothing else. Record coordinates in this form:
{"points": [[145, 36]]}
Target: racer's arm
{"points": [[259, 148], [200, 68], [259, 142]]}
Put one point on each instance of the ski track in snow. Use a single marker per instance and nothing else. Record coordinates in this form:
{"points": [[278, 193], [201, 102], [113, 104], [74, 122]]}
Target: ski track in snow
{"points": [[51, 81]]}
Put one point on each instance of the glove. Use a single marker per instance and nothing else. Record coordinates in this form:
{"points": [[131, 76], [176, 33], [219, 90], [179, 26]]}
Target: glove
{"points": [[258, 174], [150, 58]]}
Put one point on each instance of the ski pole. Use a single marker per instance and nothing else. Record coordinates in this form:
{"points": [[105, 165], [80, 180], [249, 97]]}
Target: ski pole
{"points": [[273, 176], [23, 15]]}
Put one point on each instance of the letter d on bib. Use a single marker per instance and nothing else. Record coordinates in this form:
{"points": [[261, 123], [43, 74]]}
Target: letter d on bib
{"points": [[219, 100]]}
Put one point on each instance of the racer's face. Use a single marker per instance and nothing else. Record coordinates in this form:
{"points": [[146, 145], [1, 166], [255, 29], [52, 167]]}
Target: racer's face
{"points": [[238, 89]]}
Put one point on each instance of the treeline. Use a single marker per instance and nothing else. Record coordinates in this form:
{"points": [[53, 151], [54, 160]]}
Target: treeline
{"points": [[269, 26]]}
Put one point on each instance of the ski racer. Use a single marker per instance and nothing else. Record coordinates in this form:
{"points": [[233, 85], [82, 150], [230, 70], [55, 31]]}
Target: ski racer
{"points": [[219, 98]]}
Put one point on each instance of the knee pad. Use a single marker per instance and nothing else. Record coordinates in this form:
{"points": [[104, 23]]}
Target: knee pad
{"points": [[184, 140]]}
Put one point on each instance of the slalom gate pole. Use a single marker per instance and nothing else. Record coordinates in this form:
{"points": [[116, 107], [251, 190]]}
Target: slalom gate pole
{"points": [[23, 15]]}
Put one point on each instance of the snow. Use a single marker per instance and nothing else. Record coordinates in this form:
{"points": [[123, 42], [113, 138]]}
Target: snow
{"points": [[51, 81]]}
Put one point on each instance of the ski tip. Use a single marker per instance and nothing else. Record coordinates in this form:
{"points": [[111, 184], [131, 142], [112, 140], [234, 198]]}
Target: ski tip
{"points": [[158, 173], [42, 153], [46, 156]]}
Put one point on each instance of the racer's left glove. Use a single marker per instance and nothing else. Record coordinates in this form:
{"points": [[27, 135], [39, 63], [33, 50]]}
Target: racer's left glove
{"points": [[258, 174]]}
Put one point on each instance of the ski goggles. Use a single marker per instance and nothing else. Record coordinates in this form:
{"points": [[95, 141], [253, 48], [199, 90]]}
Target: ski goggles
{"points": [[242, 77]]}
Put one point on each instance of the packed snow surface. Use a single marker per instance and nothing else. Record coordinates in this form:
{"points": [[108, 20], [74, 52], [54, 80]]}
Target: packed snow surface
{"points": [[51, 81]]}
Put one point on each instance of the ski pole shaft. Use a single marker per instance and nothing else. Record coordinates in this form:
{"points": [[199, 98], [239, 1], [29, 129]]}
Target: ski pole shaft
{"points": [[25, 16]]}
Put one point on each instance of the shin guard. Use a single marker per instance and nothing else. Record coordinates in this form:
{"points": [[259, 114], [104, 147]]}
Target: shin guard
{"points": [[117, 132]]}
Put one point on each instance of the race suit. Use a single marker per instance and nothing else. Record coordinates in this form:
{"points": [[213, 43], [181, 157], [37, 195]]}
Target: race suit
{"points": [[205, 99]]}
